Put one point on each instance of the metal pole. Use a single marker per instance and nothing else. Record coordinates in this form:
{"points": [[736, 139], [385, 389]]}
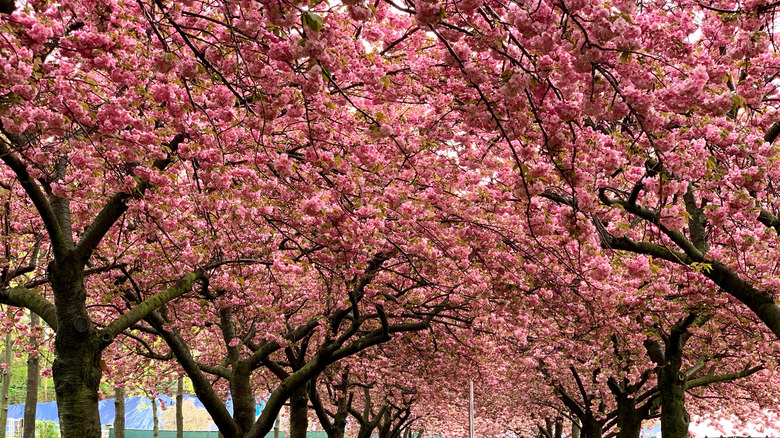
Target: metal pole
{"points": [[471, 408]]}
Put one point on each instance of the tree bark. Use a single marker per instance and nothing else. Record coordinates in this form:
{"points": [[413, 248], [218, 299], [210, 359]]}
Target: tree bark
{"points": [[575, 430], [299, 413], [339, 425], [592, 428], [559, 427], [672, 380], [155, 418], [671, 385], [243, 398], [119, 412], [77, 347], [179, 408], [7, 359], [33, 380], [629, 423]]}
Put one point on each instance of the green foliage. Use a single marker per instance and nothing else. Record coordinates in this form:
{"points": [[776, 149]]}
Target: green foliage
{"points": [[18, 389], [312, 21], [47, 429]]}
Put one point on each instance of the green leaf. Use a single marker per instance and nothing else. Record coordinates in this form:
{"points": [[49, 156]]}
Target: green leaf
{"points": [[506, 75], [326, 76], [312, 21]]}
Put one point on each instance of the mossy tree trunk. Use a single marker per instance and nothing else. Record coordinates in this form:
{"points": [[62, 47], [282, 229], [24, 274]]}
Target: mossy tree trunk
{"points": [[672, 379], [299, 413], [77, 349]]}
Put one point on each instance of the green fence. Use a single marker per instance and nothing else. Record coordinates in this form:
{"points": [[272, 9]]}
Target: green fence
{"points": [[136, 433]]}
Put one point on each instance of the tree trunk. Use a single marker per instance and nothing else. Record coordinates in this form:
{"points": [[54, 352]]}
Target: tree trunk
{"points": [[592, 429], [77, 349], [628, 422], [671, 386], [365, 431], [244, 402], [299, 413], [559, 427], [7, 359], [339, 425], [155, 419], [385, 426], [575, 430], [33, 380], [179, 408], [671, 380], [119, 412]]}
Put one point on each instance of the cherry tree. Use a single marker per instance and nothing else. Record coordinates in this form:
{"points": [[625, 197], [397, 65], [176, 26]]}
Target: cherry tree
{"points": [[360, 169], [646, 128], [141, 149], [657, 132]]}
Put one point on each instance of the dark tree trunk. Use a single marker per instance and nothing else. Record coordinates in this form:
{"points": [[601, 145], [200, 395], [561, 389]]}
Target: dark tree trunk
{"points": [[77, 348], [671, 386], [179, 408], [629, 423], [299, 413], [575, 430], [119, 412], [592, 428], [671, 378], [365, 431], [339, 425], [243, 398], [385, 426], [33, 380], [7, 359]]}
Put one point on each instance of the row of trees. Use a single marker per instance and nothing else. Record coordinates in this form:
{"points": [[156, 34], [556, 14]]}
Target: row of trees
{"points": [[267, 194]]}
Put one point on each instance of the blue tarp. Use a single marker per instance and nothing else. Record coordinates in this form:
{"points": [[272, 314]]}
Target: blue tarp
{"points": [[138, 410]]}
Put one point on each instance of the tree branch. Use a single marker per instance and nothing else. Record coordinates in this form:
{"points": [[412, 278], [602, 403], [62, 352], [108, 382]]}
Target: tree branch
{"points": [[117, 205], [772, 133], [707, 380], [202, 386], [653, 217], [142, 309], [38, 198], [20, 296], [269, 347]]}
